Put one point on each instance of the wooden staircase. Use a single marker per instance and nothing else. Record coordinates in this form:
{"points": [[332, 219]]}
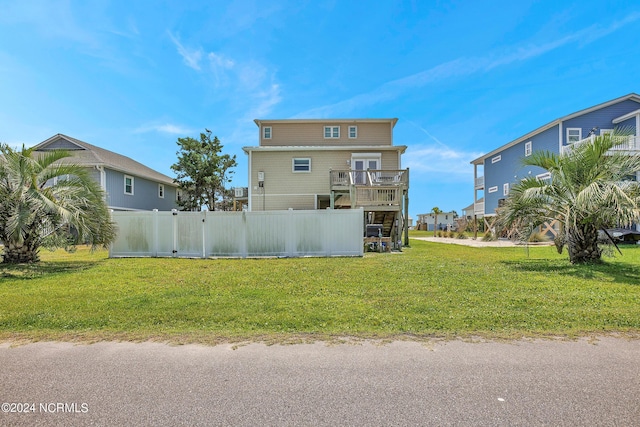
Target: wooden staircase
{"points": [[387, 219]]}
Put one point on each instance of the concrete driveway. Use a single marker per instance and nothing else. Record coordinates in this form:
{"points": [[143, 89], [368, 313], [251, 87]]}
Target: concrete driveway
{"points": [[577, 383]]}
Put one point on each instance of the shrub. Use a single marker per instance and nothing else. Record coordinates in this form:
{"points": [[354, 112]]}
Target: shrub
{"points": [[538, 237], [488, 237]]}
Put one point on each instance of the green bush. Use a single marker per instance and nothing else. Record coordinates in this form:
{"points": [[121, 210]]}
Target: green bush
{"points": [[488, 237], [538, 237]]}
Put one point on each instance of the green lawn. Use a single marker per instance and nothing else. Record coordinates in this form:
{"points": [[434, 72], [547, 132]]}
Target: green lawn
{"points": [[429, 290]]}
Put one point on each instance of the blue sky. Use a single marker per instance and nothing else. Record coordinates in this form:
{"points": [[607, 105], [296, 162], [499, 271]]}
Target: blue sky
{"points": [[462, 77]]}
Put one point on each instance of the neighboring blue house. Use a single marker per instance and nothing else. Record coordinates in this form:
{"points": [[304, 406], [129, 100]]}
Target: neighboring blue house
{"points": [[496, 171], [129, 185]]}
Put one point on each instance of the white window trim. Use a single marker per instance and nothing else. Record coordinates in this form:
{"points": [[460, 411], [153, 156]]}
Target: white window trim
{"points": [[132, 185], [331, 129], [528, 148], [573, 129], [505, 189], [293, 164], [161, 191], [265, 130], [543, 176], [178, 194], [355, 133], [493, 189], [496, 159]]}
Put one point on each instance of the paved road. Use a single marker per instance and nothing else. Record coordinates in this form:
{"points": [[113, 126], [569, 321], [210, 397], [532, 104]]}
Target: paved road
{"points": [[402, 383]]}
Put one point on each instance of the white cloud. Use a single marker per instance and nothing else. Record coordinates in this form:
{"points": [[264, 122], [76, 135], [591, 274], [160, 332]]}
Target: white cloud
{"points": [[191, 57], [464, 66], [439, 158], [250, 85], [450, 165], [264, 101], [167, 128], [219, 64]]}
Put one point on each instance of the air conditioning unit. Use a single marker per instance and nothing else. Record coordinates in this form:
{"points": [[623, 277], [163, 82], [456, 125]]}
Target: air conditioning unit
{"points": [[374, 230]]}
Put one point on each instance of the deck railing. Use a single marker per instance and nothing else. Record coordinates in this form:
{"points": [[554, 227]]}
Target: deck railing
{"points": [[374, 187], [372, 196], [371, 177], [478, 208], [630, 144], [480, 182]]}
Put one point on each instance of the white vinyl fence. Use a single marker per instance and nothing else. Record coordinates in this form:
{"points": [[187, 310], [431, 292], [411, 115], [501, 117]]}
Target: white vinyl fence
{"points": [[239, 234]]}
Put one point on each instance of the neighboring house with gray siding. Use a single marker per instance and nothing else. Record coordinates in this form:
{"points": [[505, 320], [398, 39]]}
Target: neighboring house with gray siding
{"points": [[128, 185], [496, 171]]}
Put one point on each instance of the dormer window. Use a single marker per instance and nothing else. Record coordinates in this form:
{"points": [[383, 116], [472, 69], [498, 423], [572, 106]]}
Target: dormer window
{"points": [[353, 132], [332, 132]]}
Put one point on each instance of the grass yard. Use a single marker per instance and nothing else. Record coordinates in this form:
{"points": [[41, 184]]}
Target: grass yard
{"points": [[429, 290]]}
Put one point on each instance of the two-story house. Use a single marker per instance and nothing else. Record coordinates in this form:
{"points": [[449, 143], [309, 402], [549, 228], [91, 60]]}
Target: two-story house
{"points": [[446, 221], [128, 185], [330, 163], [496, 171]]}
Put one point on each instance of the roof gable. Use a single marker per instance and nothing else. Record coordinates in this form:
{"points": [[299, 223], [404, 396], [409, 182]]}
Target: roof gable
{"points": [[632, 96], [85, 154]]}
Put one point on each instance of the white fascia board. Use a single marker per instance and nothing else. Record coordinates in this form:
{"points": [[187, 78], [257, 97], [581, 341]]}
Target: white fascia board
{"points": [[283, 148], [480, 160], [132, 173], [260, 122], [625, 117]]}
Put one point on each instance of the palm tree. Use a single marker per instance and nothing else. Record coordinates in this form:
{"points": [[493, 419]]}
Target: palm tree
{"points": [[588, 190], [435, 211], [44, 202]]}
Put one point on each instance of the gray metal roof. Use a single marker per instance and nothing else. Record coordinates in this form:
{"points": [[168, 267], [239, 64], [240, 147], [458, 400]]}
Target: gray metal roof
{"points": [[86, 154]]}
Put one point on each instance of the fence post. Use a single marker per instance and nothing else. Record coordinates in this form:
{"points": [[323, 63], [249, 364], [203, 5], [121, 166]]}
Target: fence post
{"points": [[155, 233], [174, 224], [244, 248], [204, 245], [291, 237], [111, 245]]}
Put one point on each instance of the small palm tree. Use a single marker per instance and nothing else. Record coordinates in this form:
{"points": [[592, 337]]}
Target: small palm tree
{"points": [[435, 211], [589, 190], [45, 202]]}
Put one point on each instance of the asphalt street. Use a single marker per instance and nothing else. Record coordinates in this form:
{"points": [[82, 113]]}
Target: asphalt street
{"points": [[523, 383]]}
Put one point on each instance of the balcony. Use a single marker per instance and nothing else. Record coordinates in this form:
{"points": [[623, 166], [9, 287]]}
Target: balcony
{"points": [[624, 144], [371, 189], [479, 184], [478, 208], [347, 178]]}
